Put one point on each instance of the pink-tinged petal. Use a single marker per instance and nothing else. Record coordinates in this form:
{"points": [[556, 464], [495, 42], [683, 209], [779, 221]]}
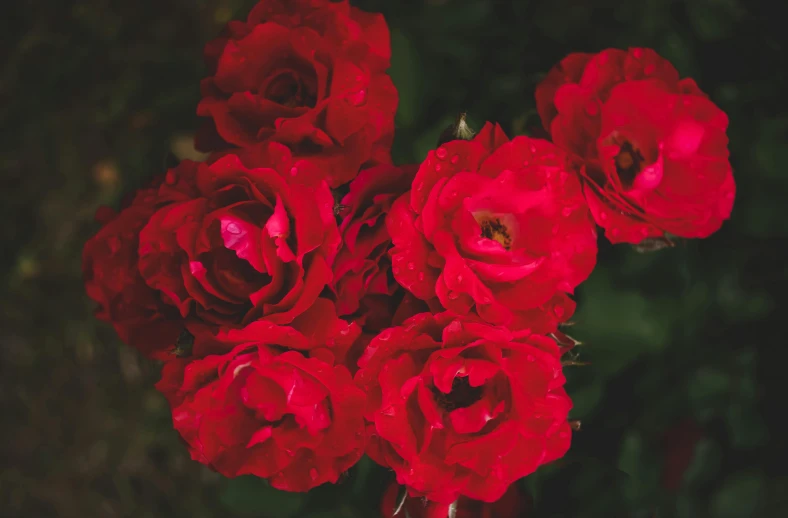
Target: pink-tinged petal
{"points": [[260, 436], [475, 417], [278, 225]]}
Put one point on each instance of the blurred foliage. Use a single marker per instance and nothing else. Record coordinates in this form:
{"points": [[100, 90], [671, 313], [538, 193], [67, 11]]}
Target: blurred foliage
{"points": [[95, 93]]}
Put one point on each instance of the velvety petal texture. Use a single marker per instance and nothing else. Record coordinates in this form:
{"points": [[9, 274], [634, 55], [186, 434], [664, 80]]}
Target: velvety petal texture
{"points": [[249, 242], [309, 74], [112, 277], [363, 267], [265, 409], [495, 227], [651, 147], [458, 407]]}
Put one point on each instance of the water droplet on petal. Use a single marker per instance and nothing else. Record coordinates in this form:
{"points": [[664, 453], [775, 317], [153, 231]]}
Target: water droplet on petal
{"points": [[533, 148], [459, 278], [411, 266], [558, 311], [438, 167], [232, 228], [313, 474], [419, 186], [455, 159], [441, 152], [421, 276], [637, 53], [357, 98], [395, 270], [114, 244], [453, 295], [603, 216], [293, 171], [566, 212], [530, 358]]}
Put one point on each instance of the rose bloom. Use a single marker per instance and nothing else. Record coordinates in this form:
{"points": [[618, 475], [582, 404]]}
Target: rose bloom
{"points": [[247, 243], [458, 407], [266, 409], [112, 279], [495, 227], [513, 504], [307, 73], [362, 266], [652, 147]]}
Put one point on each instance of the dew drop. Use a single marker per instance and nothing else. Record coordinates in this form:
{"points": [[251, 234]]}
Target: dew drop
{"points": [[566, 212], [421, 276], [637, 53], [357, 98], [453, 295], [455, 159], [603, 216], [441, 152], [114, 244], [395, 270], [419, 186], [233, 228], [558, 311], [313, 474], [411, 266], [459, 278], [293, 171], [438, 167]]}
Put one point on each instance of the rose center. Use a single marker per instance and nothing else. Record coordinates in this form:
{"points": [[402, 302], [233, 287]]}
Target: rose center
{"points": [[497, 231], [462, 395], [291, 89], [628, 163]]}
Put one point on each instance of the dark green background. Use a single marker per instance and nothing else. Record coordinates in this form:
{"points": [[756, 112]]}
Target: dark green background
{"points": [[95, 93]]}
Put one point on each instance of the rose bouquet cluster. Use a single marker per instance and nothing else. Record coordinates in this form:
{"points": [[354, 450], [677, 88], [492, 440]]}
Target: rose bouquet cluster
{"points": [[312, 302]]}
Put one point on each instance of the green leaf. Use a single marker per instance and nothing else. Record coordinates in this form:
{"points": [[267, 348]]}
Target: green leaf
{"points": [[705, 462], [407, 74], [708, 391], [252, 496], [739, 496]]}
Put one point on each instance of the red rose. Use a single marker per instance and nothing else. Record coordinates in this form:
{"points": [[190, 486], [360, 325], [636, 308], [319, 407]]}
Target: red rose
{"points": [[459, 407], [112, 278], [249, 243], [295, 420], [362, 266], [497, 227], [653, 147], [307, 73], [513, 504]]}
